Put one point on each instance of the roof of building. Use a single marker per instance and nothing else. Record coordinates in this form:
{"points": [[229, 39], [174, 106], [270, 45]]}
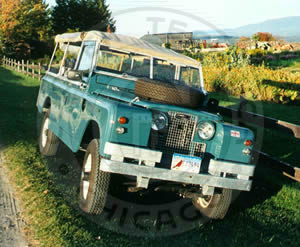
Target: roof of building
{"points": [[130, 44]]}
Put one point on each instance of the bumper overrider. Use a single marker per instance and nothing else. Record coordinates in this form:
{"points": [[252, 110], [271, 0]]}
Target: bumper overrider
{"points": [[145, 169]]}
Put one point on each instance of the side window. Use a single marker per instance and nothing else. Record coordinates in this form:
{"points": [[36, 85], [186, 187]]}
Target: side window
{"points": [[72, 55], [65, 57], [57, 58], [87, 55]]}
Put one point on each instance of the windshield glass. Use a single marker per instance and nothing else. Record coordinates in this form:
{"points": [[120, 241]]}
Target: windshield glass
{"points": [[163, 71], [190, 76], [140, 66], [117, 62]]}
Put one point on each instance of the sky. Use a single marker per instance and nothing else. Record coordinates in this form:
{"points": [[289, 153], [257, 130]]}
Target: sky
{"points": [[139, 17]]}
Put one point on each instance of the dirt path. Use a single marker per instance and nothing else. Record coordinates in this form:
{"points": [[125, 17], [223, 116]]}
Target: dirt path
{"points": [[10, 220]]}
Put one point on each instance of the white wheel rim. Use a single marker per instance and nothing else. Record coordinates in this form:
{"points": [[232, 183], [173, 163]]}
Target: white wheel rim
{"points": [[203, 202], [87, 168], [45, 132]]}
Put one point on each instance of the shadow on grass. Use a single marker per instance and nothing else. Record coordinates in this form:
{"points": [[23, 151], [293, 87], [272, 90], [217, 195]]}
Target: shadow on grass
{"points": [[66, 171], [18, 95], [282, 85]]}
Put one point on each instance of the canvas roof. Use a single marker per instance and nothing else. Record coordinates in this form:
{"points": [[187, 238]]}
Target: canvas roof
{"points": [[130, 44]]}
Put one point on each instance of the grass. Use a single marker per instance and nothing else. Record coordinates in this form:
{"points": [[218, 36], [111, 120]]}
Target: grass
{"points": [[269, 215], [277, 144], [292, 65]]}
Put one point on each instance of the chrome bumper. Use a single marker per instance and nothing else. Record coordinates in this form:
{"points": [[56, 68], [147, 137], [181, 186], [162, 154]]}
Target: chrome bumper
{"points": [[145, 170]]}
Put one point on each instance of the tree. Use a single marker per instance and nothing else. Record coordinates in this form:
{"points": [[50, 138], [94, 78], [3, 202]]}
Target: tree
{"points": [[81, 15], [244, 39], [25, 24], [255, 37], [8, 20], [262, 36]]}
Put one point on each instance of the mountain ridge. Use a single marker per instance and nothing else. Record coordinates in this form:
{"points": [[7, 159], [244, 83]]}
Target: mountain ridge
{"points": [[287, 27]]}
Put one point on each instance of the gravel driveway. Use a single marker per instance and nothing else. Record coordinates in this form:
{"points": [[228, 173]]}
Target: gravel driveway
{"points": [[10, 220]]}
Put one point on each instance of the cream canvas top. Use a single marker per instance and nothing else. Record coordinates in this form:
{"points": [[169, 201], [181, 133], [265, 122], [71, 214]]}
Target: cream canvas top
{"points": [[129, 44]]}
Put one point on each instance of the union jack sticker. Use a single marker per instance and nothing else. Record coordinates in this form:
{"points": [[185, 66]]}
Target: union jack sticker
{"points": [[236, 134]]}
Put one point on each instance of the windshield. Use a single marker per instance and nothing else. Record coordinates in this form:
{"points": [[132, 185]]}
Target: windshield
{"points": [[166, 72], [117, 62], [140, 66], [190, 76]]}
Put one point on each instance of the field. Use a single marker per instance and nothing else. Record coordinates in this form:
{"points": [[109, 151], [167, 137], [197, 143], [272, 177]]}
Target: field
{"points": [[269, 215]]}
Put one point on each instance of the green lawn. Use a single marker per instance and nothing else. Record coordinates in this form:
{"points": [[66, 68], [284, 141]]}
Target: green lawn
{"points": [[274, 142], [292, 65], [269, 215]]}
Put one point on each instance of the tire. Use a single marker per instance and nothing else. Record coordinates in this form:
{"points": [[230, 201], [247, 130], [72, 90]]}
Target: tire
{"points": [[48, 141], [216, 206], [94, 184], [160, 92]]}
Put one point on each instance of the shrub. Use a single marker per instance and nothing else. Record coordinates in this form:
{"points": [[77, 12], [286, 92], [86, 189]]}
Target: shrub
{"points": [[254, 82]]}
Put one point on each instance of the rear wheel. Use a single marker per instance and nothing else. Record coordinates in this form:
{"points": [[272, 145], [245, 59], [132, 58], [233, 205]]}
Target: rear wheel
{"points": [[94, 183], [48, 141], [216, 206]]}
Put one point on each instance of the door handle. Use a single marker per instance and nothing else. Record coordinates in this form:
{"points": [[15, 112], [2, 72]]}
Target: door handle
{"points": [[66, 99], [83, 86]]}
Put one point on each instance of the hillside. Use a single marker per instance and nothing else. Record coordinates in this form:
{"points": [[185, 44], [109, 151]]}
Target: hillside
{"points": [[287, 28]]}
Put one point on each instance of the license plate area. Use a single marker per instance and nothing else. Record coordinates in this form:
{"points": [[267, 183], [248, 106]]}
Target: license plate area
{"points": [[186, 163]]}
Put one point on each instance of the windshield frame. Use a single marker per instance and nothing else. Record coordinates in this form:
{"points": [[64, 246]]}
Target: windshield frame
{"points": [[178, 65]]}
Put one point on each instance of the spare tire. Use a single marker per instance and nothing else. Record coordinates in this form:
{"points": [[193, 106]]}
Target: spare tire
{"points": [[168, 93]]}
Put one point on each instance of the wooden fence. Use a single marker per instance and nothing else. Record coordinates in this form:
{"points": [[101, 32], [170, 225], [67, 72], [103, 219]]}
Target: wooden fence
{"points": [[244, 117], [27, 68]]}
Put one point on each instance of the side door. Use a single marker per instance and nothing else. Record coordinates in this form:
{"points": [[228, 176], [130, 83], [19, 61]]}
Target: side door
{"points": [[77, 98]]}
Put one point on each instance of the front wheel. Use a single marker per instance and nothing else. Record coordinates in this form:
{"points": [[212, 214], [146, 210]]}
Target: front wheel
{"points": [[94, 183], [216, 206]]}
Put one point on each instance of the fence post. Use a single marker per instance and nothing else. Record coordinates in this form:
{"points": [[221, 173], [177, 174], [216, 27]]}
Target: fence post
{"points": [[15, 64], [18, 66], [39, 71], [23, 69], [4, 61], [27, 73], [32, 70]]}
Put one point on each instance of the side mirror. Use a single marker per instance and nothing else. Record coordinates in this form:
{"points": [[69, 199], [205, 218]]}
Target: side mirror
{"points": [[70, 63], [213, 104], [74, 75]]}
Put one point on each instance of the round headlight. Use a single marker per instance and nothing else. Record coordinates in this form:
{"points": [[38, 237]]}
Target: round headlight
{"points": [[159, 121], [206, 130]]}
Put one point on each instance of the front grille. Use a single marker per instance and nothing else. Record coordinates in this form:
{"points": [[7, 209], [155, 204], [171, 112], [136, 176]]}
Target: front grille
{"points": [[177, 138]]}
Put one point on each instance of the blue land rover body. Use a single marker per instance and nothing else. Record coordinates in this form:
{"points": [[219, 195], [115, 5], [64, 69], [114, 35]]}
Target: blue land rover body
{"points": [[141, 110]]}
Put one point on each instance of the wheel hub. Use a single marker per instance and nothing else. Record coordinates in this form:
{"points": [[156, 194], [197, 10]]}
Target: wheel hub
{"points": [[85, 176], [204, 202]]}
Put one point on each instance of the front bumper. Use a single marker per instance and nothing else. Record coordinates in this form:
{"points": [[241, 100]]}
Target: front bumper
{"points": [[222, 174]]}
